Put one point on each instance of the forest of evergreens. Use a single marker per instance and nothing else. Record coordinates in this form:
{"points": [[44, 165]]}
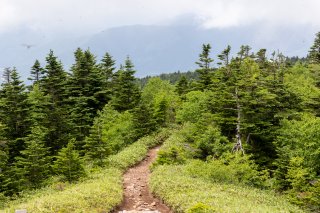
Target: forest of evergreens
{"points": [[251, 121]]}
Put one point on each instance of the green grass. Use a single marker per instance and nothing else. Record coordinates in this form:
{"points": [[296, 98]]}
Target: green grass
{"points": [[98, 194], [101, 191], [185, 193]]}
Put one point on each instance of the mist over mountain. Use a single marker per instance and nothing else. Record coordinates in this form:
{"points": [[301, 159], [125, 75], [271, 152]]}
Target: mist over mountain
{"points": [[154, 49]]}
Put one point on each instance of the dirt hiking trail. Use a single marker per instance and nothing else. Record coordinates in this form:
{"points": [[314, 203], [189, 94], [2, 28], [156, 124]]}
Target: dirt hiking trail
{"points": [[137, 197]]}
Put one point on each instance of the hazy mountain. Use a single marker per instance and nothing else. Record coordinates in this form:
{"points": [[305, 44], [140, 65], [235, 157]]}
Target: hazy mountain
{"points": [[153, 49]]}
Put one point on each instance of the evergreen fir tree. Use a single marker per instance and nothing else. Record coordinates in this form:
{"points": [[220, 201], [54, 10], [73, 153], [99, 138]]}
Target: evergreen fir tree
{"points": [[314, 52], [182, 86], [205, 68], [36, 72], [96, 148], [39, 107], [243, 53], [126, 92], [143, 121], [54, 84], [107, 66], [161, 111], [225, 56], [3, 158], [54, 80], [14, 112], [68, 163], [33, 166], [86, 93]]}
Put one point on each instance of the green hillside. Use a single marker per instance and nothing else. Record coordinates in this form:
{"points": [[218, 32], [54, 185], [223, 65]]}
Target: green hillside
{"points": [[242, 136]]}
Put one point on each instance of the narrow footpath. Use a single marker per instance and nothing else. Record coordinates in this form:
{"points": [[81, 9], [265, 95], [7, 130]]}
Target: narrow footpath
{"points": [[137, 197]]}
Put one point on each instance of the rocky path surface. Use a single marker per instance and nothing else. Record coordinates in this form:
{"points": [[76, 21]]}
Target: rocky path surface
{"points": [[137, 197]]}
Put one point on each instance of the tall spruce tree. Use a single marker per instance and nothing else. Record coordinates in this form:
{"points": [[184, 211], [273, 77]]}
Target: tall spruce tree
{"points": [[205, 69], [86, 91], [224, 57], [53, 84], [126, 93], [107, 65], [314, 52], [244, 104], [36, 72], [14, 112], [33, 166]]}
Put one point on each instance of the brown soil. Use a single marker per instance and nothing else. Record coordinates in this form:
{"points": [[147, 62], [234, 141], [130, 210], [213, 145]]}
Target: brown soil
{"points": [[137, 197]]}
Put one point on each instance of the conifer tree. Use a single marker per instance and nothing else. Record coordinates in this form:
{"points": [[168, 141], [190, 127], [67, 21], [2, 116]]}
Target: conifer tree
{"points": [[161, 111], [14, 112], [86, 93], [126, 92], [107, 66], [39, 108], [244, 52], [3, 158], [225, 56], [314, 52], [143, 121], [54, 80], [205, 69], [96, 148], [36, 72], [68, 163], [33, 166], [182, 86], [54, 84]]}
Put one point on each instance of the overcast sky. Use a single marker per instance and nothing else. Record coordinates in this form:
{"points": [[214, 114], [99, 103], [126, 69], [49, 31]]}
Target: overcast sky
{"points": [[87, 16]]}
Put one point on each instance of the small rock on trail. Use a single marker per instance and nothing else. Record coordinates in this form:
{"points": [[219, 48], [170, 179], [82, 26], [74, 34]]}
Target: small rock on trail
{"points": [[137, 197]]}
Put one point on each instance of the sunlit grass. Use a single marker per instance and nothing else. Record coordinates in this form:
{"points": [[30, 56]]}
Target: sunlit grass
{"points": [[185, 193], [101, 191], [99, 194]]}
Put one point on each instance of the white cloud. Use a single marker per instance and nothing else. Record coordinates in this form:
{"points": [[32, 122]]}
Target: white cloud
{"points": [[80, 16]]}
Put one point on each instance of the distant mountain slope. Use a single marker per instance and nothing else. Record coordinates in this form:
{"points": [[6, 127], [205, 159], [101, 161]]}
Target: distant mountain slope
{"points": [[153, 49]]}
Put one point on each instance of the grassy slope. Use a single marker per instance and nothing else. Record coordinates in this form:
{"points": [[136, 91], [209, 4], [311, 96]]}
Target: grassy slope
{"points": [[188, 189], [183, 192], [100, 192]]}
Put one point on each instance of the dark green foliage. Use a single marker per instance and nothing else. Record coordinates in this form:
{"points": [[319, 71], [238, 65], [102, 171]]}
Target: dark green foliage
{"points": [[107, 66], [39, 107], [54, 80], [173, 78], [126, 93], [3, 158], [205, 69], [161, 111], [53, 84], [314, 52], [225, 56], [36, 72], [14, 112], [33, 166], [96, 148], [143, 120], [86, 87], [182, 86], [69, 164]]}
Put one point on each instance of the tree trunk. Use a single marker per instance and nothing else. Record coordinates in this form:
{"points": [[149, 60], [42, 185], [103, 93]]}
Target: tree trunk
{"points": [[238, 146]]}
